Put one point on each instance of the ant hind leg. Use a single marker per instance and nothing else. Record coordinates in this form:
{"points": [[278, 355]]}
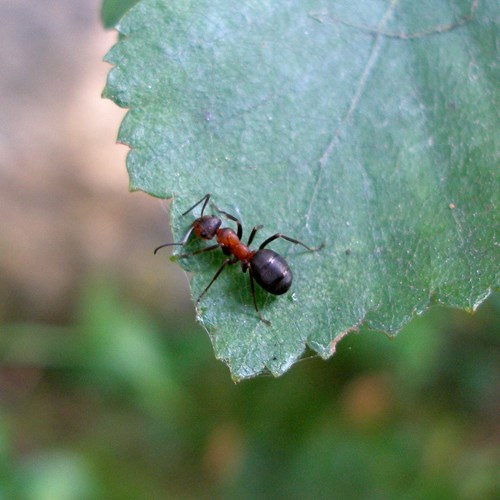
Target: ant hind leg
{"points": [[252, 288]]}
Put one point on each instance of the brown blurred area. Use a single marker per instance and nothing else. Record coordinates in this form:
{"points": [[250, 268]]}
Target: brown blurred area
{"points": [[66, 212]]}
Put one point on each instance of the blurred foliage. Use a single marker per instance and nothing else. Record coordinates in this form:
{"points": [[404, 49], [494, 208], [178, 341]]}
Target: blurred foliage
{"points": [[126, 403]]}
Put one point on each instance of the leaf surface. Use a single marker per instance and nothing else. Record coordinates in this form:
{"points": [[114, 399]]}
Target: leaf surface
{"points": [[113, 10], [369, 126]]}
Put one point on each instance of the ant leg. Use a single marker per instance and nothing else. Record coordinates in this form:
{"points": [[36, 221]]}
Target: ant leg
{"points": [[291, 240], [202, 250], [230, 217], [252, 288], [204, 199], [252, 234], [180, 243], [221, 268]]}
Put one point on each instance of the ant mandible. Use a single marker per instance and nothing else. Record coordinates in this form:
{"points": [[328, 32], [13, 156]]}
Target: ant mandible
{"points": [[269, 269]]}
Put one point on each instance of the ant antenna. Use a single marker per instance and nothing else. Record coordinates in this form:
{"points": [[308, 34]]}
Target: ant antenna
{"points": [[180, 243], [204, 199]]}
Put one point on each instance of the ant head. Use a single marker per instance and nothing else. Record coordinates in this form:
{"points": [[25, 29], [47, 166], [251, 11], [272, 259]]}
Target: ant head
{"points": [[206, 227]]}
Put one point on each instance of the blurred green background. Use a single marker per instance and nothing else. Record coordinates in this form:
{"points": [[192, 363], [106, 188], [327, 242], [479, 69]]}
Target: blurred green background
{"points": [[108, 388]]}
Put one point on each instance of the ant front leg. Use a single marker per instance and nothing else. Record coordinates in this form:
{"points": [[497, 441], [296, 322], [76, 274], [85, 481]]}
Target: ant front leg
{"points": [[230, 217], [291, 240], [202, 250], [221, 268], [252, 234]]}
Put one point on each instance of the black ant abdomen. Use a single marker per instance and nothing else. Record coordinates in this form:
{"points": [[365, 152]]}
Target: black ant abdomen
{"points": [[271, 271]]}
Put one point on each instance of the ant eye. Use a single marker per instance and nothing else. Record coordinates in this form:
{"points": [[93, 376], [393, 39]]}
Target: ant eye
{"points": [[203, 234]]}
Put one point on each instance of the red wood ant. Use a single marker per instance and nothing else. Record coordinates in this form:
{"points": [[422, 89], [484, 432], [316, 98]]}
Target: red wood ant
{"points": [[269, 269]]}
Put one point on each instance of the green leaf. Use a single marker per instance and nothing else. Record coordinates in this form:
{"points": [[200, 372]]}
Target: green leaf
{"points": [[370, 126], [113, 10]]}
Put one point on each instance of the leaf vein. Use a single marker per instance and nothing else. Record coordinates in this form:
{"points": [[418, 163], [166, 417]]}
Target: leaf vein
{"points": [[361, 85]]}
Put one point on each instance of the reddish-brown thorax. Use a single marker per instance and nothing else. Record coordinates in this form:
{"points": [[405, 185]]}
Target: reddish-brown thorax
{"points": [[227, 238]]}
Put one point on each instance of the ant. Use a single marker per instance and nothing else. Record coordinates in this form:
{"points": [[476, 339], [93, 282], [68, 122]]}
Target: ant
{"points": [[269, 269]]}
